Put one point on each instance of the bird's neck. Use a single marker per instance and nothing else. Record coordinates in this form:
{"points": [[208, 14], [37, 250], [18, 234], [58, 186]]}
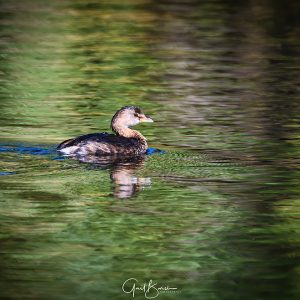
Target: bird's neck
{"points": [[128, 133]]}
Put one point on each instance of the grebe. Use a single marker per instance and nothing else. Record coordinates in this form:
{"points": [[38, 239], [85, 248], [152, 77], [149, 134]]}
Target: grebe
{"points": [[125, 141]]}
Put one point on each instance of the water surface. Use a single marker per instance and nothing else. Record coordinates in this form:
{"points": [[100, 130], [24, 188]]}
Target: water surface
{"points": [[217, 215]]}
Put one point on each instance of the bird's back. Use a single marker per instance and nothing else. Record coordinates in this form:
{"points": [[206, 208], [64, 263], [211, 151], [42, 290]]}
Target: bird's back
{"points": [[102, 144]]}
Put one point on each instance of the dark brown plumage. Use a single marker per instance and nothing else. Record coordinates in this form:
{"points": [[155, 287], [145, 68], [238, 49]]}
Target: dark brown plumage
{"points": [[126, 141]]}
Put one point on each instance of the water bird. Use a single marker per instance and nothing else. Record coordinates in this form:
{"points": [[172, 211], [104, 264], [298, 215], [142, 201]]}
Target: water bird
{"points": [[125, 141]]}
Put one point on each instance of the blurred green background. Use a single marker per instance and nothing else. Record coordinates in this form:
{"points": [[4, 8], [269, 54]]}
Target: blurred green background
{"points": [[217, 216]]}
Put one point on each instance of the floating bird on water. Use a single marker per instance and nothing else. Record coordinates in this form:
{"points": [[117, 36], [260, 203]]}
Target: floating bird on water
{"points": [[125, 141]]}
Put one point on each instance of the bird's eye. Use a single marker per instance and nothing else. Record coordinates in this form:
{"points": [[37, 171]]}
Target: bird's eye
{"points": [[136, 115]]}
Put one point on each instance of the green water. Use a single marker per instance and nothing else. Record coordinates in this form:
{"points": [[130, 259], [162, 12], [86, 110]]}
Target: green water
{"points": [[217, 216]]}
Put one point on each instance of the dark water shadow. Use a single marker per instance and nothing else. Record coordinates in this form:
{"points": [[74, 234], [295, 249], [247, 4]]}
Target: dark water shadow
{"points": [[123, 170], [32, 150], [123, 173]]}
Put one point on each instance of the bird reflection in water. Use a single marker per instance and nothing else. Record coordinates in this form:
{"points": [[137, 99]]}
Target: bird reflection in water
{"points": [[123, 173]]}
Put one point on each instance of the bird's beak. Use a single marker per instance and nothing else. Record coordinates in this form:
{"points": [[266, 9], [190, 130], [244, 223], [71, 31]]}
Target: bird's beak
{"points": [[144, 118]]}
